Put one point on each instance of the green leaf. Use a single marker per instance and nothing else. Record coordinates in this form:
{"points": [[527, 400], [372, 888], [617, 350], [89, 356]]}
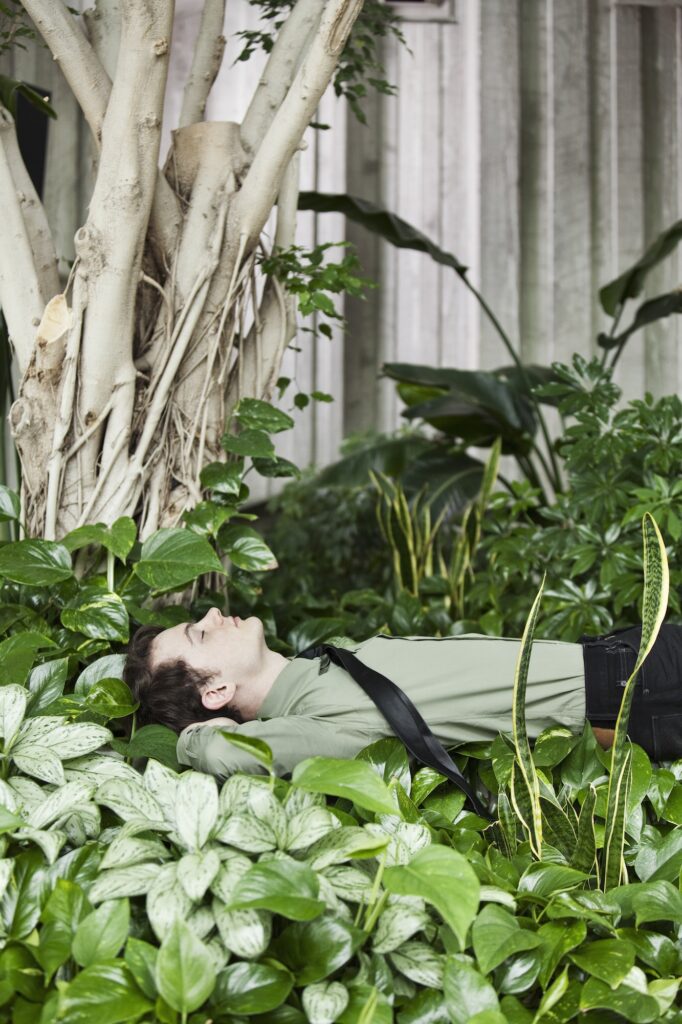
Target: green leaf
{"points": [[543, 880], [654, 309], [610, 960], [37, 563], [10, 506], [105, 993], [111, 666], [46, 683], [254, 414], [631, 1003], [467, 993], [170, 558], [118, 538], [102, 933], [223, 477], [380, 222], [141, 959], [255, 443], [285, 888], [389, 759], [245, 988], [655, 602], [97, 613], [444, 878], [196, 808], [276, 467], [17, 654], [497, 935], [185, 975], [246, 548], [350, 779], [315, 949], [661, 861], [157, 741], [110, 698], [630, 283]]}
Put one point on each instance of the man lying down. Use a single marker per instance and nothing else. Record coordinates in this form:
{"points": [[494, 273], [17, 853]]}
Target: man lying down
{"points": [[219, 672]]}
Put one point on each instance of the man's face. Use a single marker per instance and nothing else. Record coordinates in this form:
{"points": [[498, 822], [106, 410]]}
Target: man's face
{"points": [[230, 648]]}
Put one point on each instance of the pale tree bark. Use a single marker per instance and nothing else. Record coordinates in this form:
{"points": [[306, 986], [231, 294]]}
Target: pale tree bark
{"points": [[166, 321]]}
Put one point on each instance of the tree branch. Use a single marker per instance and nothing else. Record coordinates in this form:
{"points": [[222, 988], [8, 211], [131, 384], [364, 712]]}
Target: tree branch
{"points": [[21, 294], [208, 56], [261, 185], [76, 58], [283, 62]]}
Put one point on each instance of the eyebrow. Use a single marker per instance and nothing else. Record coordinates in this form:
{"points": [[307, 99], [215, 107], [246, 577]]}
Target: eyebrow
{"points": [[186, 631]]}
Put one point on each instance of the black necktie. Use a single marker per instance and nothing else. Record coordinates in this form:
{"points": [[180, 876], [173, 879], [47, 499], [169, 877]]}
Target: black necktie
{"points": [[401, 714]]}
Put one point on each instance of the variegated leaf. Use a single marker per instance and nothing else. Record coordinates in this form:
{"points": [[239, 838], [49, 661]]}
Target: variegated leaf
{"points": [[330, 898], [83, 824], [398, 923], [196, 809], [73, 739], [6, 866], [196, 872], [220, 957], [232, 868], [125, 851], [39, 762], [34, 730], [13, 701], [235, 792], [325, 1001], [406, 839], [100, 768], [343, 844], [8, 797], [247, 833], [129, 800], [201, 921], [167, 901], [119, 882], [265, 806], [60, 802], [420, 963], [298, 800], [27, 792], [246, 933], [349, 882], [309, 825], [162, 783], [50, 842]]}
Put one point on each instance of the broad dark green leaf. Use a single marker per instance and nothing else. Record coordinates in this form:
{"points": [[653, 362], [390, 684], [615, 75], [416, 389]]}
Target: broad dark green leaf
{"points": [[185, 975], [117, 538], [392, 456], [17, 654], [37, 563], [389, 758], [105, 993], [46, 683], [258, 749], [654, 309], [172, 557], [610, 960], [661, 861], [157, 741], [97, 613], [109, 667], [315, 630], [25, 895], [110, 698], [11, 89], [467, 993], [10, 506], [254, 414], [285, 888], [443, 878], [630, 284], [630, 1003], [223, 477], [54, 946], [350, 779], [543, 880], [102, 933], [553, 745], [141, 959], [246, 548], [255, 443], [249, 988], [380, 222], [497, 934], [427, 1007], [276, 467], [315, 949]]}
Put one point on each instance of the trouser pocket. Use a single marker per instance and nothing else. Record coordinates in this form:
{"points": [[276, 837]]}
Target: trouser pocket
{"points": [[667, 736]]}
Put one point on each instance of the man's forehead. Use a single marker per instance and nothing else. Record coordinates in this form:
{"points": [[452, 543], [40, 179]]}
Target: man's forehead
{"points": [[174, 635]]}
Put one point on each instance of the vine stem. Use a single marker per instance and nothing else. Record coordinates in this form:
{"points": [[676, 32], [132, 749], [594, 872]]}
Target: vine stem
{"points": [[376, 903]]}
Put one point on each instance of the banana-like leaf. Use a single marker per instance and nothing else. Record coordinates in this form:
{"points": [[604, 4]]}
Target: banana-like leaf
{"points": [[524, 758], [656, 586], [380, 222], [655, 309], [586, 844], [631, 282]]}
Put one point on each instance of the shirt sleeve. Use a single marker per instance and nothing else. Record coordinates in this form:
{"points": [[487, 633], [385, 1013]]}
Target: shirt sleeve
{"points": [[291, 739]]}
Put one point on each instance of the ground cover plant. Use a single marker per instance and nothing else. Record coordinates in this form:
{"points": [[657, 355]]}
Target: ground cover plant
{"points": [[356, 891]]}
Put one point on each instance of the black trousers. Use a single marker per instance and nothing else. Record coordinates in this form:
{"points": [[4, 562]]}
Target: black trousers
{"points": [[656, 714]]}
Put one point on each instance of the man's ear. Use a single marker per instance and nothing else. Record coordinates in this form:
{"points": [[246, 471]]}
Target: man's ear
{"points": [[218, 695]]}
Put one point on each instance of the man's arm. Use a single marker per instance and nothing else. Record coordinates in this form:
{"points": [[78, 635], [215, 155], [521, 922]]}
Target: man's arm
{"points": [[292, 739]]}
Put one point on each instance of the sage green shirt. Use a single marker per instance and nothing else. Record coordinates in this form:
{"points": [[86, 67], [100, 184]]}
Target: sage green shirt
{"points": [[462, 686]]}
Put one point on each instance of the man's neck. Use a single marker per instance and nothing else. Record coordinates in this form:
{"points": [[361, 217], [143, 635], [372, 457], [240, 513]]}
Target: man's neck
{"points": [[250, 700]]}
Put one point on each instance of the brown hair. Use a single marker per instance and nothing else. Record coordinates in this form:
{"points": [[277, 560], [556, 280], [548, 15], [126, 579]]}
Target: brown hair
{"points": [[170, 694]]}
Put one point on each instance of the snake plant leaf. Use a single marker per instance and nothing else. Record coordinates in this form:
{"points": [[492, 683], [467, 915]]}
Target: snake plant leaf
{"points": [[524, 758], [655, 603], [585, 850]]}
